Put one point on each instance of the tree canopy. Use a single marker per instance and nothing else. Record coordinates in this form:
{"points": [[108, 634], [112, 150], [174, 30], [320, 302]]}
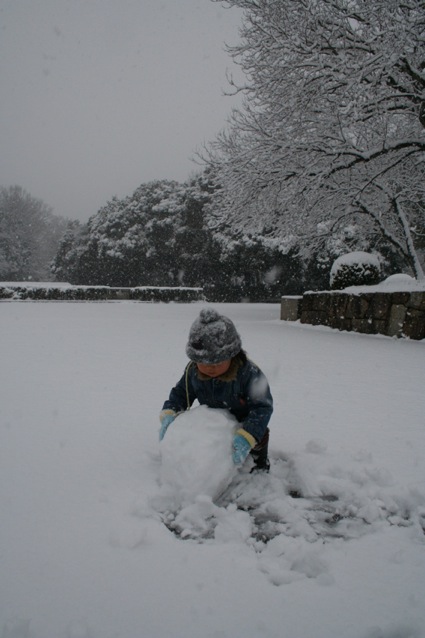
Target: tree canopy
{"points": [[29, 235], [161, 236], [332, 130]]}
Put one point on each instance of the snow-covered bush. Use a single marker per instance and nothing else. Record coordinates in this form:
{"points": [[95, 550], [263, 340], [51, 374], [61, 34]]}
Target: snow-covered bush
{"points": [[355, 269]]}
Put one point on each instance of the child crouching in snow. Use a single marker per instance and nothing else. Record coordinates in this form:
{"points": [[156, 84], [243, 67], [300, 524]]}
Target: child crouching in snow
{"points": [[220, 375]]}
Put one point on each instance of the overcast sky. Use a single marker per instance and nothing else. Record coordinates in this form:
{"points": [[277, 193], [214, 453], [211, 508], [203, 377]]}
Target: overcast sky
{"points": [[99, 96]]}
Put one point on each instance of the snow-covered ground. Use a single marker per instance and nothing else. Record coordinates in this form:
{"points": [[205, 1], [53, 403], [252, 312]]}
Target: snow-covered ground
{"points": [[330, 544]]}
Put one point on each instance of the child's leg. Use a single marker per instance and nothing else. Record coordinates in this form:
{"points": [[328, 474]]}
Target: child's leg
{"points": [[260, 452]]}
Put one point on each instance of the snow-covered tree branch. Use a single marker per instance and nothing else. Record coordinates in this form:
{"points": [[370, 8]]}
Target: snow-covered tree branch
{"points": [[333, 115]]}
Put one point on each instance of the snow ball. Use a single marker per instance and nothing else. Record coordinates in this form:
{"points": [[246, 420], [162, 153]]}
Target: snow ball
{"points": [[196, 454]]}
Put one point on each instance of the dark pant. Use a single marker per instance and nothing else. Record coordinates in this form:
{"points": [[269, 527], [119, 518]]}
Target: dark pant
{"points": [[260, 452]]}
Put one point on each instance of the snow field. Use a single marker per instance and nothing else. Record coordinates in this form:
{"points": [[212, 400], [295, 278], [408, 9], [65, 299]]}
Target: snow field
{"points": [[331, 542]]}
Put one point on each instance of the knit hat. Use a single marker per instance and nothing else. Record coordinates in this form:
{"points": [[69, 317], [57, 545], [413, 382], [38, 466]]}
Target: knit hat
{"points": [[212, 338]]}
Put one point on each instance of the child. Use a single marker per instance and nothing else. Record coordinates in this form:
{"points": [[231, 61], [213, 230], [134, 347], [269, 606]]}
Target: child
{"points": [[220, 375]]}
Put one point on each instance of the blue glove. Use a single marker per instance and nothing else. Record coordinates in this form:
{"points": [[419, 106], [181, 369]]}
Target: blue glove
{"points": [[166, 418], [240, 449]]}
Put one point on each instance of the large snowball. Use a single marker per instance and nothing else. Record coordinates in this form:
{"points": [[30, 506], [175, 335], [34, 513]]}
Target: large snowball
{"points": [[196, 454]]}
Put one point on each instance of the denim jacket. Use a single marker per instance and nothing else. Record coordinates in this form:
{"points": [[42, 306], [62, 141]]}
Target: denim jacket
{"points": [[243, 390]]}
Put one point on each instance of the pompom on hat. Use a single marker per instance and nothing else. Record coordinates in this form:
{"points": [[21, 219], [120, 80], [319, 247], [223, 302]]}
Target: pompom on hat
{"points": [[212, 338]]}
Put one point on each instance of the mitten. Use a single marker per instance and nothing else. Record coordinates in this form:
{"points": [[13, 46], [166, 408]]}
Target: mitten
{"points": [[166, 417], [243, 442]]}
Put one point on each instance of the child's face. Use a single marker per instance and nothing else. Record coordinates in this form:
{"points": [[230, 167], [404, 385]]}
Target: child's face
{"points": [[214, 369]]}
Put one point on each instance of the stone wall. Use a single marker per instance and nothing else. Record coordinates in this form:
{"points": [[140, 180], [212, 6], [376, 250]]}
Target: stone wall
{"points": [[395, 314]]}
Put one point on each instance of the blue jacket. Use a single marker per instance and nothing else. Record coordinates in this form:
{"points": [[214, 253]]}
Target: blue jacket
{"points": [[243, 390]]}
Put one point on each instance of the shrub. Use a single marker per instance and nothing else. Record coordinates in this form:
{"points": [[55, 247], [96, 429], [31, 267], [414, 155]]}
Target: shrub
{"points": [[355, 269]]}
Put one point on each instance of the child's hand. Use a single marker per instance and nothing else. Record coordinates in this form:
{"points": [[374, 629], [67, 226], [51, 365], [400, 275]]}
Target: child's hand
{"points": [[166, 417], [243, 442]]}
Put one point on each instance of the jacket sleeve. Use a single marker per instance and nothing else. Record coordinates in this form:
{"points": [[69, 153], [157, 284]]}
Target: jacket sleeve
{"points": [[259, 401], [182, 395]]}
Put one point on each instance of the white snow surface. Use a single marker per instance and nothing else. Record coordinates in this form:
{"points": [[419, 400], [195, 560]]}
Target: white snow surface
{"points": [[104, 535]]}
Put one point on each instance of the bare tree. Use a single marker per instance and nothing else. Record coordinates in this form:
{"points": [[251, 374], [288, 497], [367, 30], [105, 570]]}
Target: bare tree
{"points": [[332, 129]]}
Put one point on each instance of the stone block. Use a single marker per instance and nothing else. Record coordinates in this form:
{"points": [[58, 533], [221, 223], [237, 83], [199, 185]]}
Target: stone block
{"points": [[417, 300], [379, 326], [363, 325], [380, 306], [323, 303], [340, 323], [308, 300], [340, 303], [400, 298], [357, 307], [290, 308], [314, 318], [319, 302], [414, 324], [396, 320], [337, 307]]}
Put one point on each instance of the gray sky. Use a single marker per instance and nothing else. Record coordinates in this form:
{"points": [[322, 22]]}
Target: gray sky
{"points": [[99, 96]]}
